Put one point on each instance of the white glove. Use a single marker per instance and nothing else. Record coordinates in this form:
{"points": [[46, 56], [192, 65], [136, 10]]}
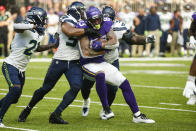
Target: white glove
{"points": [[192, 42], [189, 89], [150, 39], [169, 38]]}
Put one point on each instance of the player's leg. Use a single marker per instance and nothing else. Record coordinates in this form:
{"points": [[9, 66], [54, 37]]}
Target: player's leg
{"points": [[13, 78], [74, 76], [190, 88], [54, 72], [85, 90], [95, 70], [116, 78]]}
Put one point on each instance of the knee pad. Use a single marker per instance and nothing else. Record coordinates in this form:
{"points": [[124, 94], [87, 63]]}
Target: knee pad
{"points": [[15, 94]]}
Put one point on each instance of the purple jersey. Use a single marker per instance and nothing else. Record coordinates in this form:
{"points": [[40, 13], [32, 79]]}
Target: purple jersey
{"points": [[105, 28]]}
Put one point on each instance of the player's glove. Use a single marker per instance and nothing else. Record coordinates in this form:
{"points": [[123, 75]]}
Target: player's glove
{"points": [[189, 89], [128, 36], [92, 32], [96, 45], [56, 36], [192, 42], [40, 30], [150, 39]]}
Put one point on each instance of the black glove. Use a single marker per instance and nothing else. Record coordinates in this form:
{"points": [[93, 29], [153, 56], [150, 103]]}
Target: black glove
{"points": [[91, 32], [56, 36], [127, 36], [40, 30]]}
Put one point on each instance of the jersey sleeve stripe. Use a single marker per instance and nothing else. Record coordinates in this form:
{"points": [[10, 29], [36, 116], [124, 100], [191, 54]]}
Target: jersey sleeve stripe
{"points": [[119, 28], [69, 21]]}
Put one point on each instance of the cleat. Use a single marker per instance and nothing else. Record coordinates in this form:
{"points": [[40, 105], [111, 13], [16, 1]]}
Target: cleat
{"points": [[56, 119], [142, 119], [101, 114], [192, 100], [107, 114], [1, 124], [24, 114], [85, 107]]}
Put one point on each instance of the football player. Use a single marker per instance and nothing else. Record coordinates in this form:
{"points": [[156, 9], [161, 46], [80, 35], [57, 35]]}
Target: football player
{"points": [[29, 33], [95, 67], [65, 61], [190, 88]]}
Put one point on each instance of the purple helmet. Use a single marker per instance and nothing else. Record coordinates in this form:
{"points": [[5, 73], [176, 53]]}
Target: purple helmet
{"points": [[94, 17], [194, 16]]}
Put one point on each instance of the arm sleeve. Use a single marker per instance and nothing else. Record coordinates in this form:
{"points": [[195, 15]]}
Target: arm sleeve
{"points": [[112, 46], [23, 26]]}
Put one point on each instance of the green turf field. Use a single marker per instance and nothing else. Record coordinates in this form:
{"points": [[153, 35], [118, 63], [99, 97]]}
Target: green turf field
{"points": [[158, 87]]}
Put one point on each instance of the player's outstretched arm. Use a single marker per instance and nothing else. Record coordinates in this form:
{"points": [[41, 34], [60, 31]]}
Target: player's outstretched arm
{"points": [[71, 31], [21, 27], [86, 51], [133, 39], [41, 48]]}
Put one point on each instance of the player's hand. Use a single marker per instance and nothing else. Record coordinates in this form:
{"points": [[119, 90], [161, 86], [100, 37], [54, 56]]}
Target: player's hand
{"points": [[150, 39], [96, 45], [192, 42], [128, 36], [189, 89], [56, 36], [92, 32]]}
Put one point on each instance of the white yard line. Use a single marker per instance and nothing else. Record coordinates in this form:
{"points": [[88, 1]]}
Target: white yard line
{"points": [[160, 108], [25, 106], [153, 72], [158, 87], [15, 128], [173, 104], [151, 65]]}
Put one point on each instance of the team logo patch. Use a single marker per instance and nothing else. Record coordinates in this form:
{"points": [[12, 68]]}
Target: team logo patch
{"points": [[57, 62]]}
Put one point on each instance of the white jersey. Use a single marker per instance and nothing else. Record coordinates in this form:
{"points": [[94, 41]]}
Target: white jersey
{"points": [[22, 47], [187, 19], [68, 46], [127, 18], [119, 29], [165, 20]]}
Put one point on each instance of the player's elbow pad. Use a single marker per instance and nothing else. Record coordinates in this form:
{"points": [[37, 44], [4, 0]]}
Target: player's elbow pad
{"points": [[23, 26]]}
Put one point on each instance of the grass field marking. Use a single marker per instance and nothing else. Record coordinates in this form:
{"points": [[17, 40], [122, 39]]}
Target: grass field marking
{"points": [[159, 87], [154, 72], [150, 65], [25, 106], [22, 129], [173, 109], [173, 104]]}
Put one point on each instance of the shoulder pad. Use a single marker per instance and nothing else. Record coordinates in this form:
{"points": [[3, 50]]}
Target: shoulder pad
{"points": [[68, 19], [119, 26], [81, 24]]}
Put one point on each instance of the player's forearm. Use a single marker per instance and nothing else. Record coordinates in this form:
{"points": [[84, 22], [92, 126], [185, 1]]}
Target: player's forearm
{"points": [[138, 40], [94, 53], [72, 31], [45, 47]]}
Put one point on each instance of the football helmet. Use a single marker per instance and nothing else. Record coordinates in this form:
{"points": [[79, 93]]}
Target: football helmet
{"points": [[194, 16], [37, 15], [94, 17], [77, 10], [109, 12]]}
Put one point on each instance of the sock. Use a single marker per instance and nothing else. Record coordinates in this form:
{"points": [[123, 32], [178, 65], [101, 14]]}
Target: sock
{"points": [[191, 78], [137, 113], [11, 97], [129, 96], [86, 88], [102, 89]]}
